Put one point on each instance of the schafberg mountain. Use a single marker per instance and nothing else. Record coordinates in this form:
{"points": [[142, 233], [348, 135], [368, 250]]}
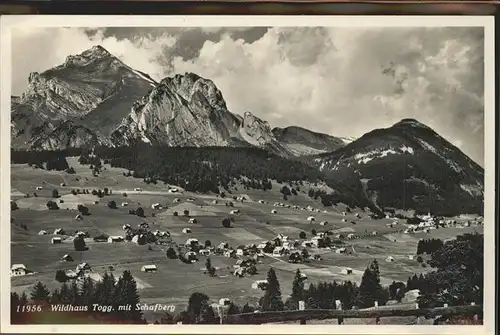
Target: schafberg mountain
{"points": [[77, 103], [94, 98], [408, 166]]}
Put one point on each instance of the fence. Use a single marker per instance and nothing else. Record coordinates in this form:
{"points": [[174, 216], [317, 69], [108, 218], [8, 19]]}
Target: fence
{"points": [[321, 314]]}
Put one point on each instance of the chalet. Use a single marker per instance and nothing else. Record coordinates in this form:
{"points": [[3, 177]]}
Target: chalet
{"points": [[78, 217], [259, 284], [139, 239], [124, 204], [42, 232], [156, 206], [38, 188], [137, 189], [323, 223], [67, 258], [204, 252], [229, 253], [193, 221], [240, 252], [115, 239], [59, 231], [177, 200], [223, 245], [350, 236], [191, 241], [346, 271], [261, 201], [389, 259], [56, 240], [127, 226], [278, 251], [344, 220], [144, 225], [62, 184], [274, 211], [311, 219], [340, 250], [215, 202], [186, 231], [234, 211], [149, 268], [18, 270]]}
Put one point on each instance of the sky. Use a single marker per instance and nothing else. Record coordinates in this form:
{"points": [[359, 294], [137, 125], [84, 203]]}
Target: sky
{"points": [[340, 81]]}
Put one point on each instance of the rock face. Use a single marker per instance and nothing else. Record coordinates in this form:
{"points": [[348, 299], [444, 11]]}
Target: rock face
{"points": [[301, 141], [408, 166], [94, 90]]}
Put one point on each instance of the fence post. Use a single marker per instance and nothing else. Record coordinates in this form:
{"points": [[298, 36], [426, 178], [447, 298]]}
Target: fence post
{"points": [[338, 306]]}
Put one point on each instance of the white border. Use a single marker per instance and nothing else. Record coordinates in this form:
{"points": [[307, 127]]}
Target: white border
{"points": [[7, 22]]}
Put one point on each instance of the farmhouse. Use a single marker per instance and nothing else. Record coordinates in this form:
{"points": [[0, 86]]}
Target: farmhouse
{"points": [[42, 232], [139, 239], [149, 268], [18, 270], [346, 271], [177, 200], [340, 250], [56, 240], [156, 206], [224, 302], [124, 204], [323, 223], [229, 253], [115, 239], [144, 225], [204, 252], [38, 188], [127, 226], [389, 259], [59, 231], [259, 284], [67, 258], [234, 211], [274, 211], [311, 219], [193, 221], [278, 251], [191, 241], [261, 201], [186, 231]]}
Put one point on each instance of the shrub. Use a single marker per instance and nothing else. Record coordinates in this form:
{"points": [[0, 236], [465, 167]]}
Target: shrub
{"points": [[55, 193], [112, 204], [420, 259], [13, 206], [83, 209], [61, 276], [186, 212], [171, 253], [302, 235], [176, 214], [124, 194], [140, 212], [51, 205], [226, 223]]}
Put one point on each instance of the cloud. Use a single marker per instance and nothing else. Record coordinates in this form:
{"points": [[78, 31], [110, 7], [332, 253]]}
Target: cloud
{"points": [[341, 81]]}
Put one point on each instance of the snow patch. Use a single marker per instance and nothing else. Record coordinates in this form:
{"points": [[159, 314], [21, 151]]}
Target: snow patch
{"points": [[151, 82], [364, 158], [427, 146], [473, 190]]}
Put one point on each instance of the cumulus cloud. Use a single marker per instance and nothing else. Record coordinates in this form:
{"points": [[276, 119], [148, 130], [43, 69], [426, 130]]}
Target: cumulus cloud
{"points": [[341, 81]]}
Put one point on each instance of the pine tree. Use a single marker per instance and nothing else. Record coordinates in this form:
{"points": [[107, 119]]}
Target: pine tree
{"points": [[196, 307], [126, 294], [56, 297], [272, 298], [88, 292], [210, 268], [74, 294], [370, 289], [297, 288], [40, 293], [233, 309]]}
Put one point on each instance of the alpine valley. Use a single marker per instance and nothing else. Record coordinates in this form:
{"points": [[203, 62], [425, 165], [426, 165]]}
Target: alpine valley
{"points": [[94, 99]]}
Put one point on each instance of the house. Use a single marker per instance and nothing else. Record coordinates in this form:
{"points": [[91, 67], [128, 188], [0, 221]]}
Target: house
{"points": [[193, 221], [191, 241], [240, 252], [139, 239], [215, 202], [59, 231], [344, 220], [177, 200], [307, 244], [124, 204], [67, 258], [223, 245], [261, 201], [115, 239], [411, 257], [186, 231], [204, 252], [149, 268], [278, 251], [350, 236], [83, 267], [389, 259], [374, 233], [62, 184], [18, 270], [229, 253], [340, 250], [261, 246], [71, 274], [346, 271], [274, 211], [323, 223], [38, 188], [156, 206], [42, 232], [127, 226], [311, 219], [224, 302], [411, 296], [259, 284], [82, 234], [234, 211], [56, 240], [144, 225]]}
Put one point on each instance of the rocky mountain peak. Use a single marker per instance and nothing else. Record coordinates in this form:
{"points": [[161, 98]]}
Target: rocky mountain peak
{"points": [[88, 56], [410, 123]]}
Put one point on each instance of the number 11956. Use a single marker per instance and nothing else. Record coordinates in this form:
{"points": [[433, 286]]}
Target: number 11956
{"points": [[29, 308]]}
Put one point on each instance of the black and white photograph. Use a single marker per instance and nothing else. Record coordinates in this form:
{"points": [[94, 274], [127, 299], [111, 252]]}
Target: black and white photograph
{"points": [[289, 172]]}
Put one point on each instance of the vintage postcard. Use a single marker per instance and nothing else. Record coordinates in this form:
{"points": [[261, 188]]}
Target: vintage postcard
{"points": [[195, 174]]}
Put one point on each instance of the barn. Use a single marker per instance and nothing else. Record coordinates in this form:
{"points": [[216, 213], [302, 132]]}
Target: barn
{"points": [[56, 240], [149, 268], [186, 231]]}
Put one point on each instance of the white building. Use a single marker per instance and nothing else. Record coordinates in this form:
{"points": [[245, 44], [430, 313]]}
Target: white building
{"points": [[149, 268], [115, 239], [186, 231], [346, 271], [311, 219], [258, 284], [56, 240], [18, 270]]}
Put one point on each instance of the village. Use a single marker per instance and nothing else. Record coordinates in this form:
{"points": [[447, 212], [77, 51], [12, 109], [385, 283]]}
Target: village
{"points": [[153, 231]]}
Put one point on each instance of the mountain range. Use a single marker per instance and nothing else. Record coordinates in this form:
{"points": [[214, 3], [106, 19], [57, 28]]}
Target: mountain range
{"points": [[93, 98]]}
